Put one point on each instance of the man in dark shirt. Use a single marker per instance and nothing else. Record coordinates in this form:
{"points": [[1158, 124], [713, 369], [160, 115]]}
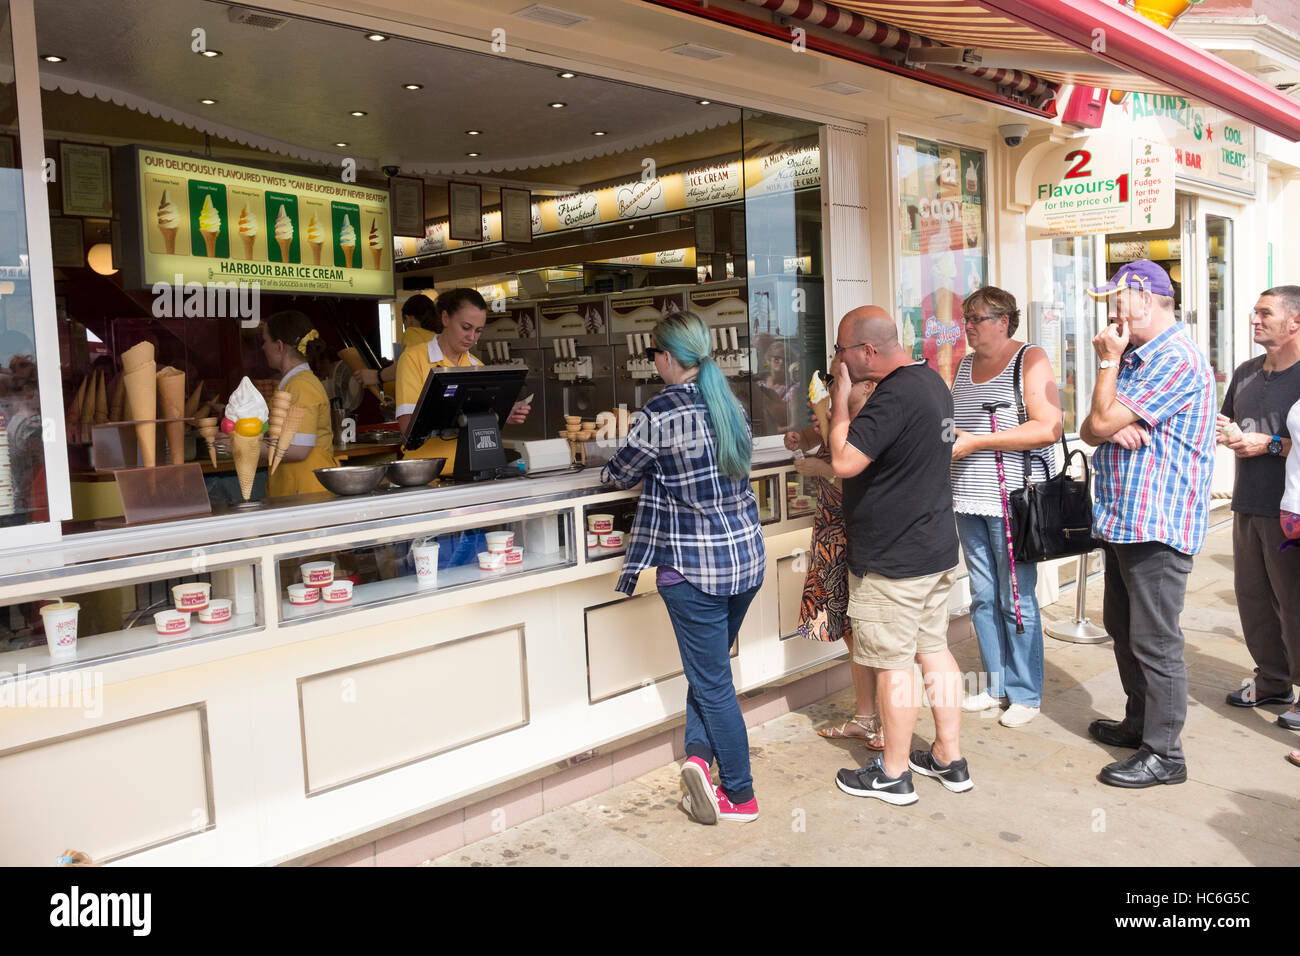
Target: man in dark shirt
{"points": [[1253, 425], [895, 458]]}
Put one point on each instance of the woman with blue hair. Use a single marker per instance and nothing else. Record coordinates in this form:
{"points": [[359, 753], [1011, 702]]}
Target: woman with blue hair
{"points": [[697, 525]]}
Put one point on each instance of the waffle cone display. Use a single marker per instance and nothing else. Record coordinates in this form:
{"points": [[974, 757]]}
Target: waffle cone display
{"points": [[101, 400], [142, 402], [208, 429], [247, 449], [192, 403], [358, 364], [287, 430], [142, 353], [117, 406], [171, 397]]}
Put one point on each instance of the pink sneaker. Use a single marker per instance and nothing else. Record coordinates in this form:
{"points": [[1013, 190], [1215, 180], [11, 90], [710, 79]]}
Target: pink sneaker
{"points": [[737, 813], [700, 801]]}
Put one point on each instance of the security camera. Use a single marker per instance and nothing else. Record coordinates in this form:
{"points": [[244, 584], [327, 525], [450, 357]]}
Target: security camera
{"points": [[1013, 134], [391, 170]]}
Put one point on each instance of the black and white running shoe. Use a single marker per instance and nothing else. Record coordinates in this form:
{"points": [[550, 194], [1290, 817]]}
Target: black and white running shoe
{"points": [[955, 776], [873, 781]]}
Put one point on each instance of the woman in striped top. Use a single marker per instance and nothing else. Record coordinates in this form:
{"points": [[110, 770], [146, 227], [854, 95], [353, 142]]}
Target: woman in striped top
{"points": [[1013, 662]]}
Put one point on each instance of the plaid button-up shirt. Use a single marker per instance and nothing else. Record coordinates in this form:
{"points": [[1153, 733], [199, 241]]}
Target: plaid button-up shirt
{"points": [[691, 516], [1161, 492]]}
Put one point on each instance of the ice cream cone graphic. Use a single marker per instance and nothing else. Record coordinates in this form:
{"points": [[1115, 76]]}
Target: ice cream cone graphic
{"points": [[209, 226], [347, 241], [247, 231], [169, 220], [315, 238], [283, 233], [375, 243], [246, 449], [376, 255]]}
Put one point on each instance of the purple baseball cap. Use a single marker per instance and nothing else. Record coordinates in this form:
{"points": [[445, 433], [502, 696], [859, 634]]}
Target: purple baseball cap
{"points": [[1142, 274]]}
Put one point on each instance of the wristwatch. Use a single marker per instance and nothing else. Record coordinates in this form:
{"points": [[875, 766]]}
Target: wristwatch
{"points": [[1275, 445], [1107, 363]]}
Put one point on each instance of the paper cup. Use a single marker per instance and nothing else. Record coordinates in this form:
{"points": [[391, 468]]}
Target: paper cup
{"points": [[491, 560], [425, 554], [317, 573], [301, 594], [515, 556], [172, 622], [337, 592], [499, 542], [192, 596], [217, 612], [600, 524], [61, 628], [612, 540]]}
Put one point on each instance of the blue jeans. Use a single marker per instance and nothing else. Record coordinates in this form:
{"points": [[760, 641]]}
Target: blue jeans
{"points": [[1014, 662], [706, 626]]}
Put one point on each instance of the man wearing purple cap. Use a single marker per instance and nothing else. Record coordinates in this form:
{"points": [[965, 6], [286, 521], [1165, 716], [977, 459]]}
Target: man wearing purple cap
{"points": [[1152, 420]]}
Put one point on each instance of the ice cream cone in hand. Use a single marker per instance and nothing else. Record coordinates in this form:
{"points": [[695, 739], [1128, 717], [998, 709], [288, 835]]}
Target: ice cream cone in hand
{"points": [[820, 399], [247, 449], [171, 399], [287, 431], [357, 364]]}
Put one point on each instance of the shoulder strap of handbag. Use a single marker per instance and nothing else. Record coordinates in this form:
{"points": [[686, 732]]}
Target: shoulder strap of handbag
{"points": [[1022, 415]]}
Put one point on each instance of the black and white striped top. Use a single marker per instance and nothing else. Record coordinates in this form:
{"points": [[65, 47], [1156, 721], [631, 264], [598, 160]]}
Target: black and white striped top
{"points": [[975, 477]]}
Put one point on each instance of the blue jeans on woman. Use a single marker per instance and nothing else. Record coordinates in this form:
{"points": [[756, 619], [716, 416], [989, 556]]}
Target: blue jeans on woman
{"points": [[1014, 662], [706, 626]]}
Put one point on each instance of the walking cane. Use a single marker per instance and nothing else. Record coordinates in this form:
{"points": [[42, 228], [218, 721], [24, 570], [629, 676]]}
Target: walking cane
{"points": [[992, 409]]}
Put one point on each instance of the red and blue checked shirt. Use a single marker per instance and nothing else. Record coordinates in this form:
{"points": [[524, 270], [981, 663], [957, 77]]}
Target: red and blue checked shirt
{"points": [[691, 516], [1161, 492]]}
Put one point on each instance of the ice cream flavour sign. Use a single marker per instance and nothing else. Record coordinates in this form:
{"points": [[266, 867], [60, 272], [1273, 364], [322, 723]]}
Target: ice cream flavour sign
{"points": [[211, 222]]}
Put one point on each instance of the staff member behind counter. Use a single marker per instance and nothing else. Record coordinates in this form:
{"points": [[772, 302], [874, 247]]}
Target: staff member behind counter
{"points": [[419, 325], [462, 314]]}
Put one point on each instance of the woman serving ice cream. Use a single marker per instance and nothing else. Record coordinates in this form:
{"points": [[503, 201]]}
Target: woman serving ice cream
{"points": [[291, 345]]}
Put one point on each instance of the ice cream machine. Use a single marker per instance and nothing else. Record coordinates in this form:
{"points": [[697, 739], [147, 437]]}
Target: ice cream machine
{"points": [[632, 317], [577, 358], [510, 339], [723, 307]]}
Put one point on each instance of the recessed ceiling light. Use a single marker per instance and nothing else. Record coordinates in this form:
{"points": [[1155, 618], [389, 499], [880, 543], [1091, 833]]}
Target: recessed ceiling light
{"points": [[704, 102], [566, 75], [340, 145], [358, 113], [557, 106], [209, 53], [473, 132], [412, 86], [471, 154], [208, 102], [52, 58], [377, 37], [598, 132]]}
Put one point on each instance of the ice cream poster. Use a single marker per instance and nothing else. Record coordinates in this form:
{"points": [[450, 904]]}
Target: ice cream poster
{"points": [[211, 222]]}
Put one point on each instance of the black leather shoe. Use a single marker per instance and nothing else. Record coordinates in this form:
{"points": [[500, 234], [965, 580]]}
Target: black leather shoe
{"points": [[1246, 698], [1143, 769], [1112, 734]]}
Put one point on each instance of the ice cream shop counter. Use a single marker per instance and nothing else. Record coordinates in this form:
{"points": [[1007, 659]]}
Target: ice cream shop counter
{"points": [[260, 685]]}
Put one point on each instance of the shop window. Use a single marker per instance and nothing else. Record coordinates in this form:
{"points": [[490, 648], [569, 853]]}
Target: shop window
{"points": [[1061, 316], [944, 254], [1218, 236], [782, 236]]}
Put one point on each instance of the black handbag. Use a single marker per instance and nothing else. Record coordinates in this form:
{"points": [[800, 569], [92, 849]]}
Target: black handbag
{"points": [[1050, 518]]}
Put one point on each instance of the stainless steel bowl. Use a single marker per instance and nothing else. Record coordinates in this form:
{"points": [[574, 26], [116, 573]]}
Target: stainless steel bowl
{"points": [[351, 479], [385, 436], [412, 472]]}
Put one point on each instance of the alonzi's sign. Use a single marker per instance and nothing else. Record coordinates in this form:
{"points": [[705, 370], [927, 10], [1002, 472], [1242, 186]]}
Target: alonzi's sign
{"points": [[1209, 146]]}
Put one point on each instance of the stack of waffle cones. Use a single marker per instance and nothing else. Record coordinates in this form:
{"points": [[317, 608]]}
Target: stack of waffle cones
{"points": [[292, 420], [247, 450], [117, 407], [357, 364], [280, 403], [208, 428], [140, 373], [171, 397]]}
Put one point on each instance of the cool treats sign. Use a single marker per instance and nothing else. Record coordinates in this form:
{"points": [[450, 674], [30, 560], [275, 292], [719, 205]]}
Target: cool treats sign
{"points": [[1103, 185]]}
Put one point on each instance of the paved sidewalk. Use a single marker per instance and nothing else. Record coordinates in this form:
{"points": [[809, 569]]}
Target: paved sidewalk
{"points": [[1036, 799]]}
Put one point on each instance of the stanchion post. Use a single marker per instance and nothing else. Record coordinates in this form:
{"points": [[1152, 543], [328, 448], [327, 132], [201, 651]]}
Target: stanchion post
{"points": [[1080, 630]]}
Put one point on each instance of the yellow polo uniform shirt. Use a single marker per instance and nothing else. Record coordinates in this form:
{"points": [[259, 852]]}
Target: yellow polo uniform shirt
{"points": [[413, 337], [413, 368], [316, 432]]}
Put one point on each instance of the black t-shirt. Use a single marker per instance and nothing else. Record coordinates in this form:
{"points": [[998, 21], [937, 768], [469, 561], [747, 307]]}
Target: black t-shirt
{"points": [[898, 512], [1258, 401]]}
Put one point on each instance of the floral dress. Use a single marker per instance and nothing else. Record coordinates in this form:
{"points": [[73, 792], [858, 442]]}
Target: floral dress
{"points": [[823, 612]]}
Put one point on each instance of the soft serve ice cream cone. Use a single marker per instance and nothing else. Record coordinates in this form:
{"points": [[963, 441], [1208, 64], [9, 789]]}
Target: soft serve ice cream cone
{"points": [[347, 241], [209, 225], [283, 233], [248, 227], [375, 242], [820, 399], [315, 239], [169, 221]]}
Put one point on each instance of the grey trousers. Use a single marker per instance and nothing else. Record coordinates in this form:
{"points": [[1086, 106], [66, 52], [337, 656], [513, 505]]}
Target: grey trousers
{"points": [[1267, 582], [1145, 587]]}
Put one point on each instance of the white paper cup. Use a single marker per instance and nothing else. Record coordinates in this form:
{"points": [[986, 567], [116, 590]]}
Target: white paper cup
{"points": [[217, 612], [317, 573], [499, 542], [612, 540], [514, 557], [336, 592], [301, 594], [425, 554], [192, 596], [600, 524], [171, 622], [491, 560], [61, 628]]}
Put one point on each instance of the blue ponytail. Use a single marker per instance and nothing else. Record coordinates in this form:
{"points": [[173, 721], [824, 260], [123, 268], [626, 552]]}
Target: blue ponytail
{"points": [[686, 338]]}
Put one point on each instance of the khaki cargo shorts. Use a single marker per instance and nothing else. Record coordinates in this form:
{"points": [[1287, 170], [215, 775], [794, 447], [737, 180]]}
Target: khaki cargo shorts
{"points": [[894, 619]]}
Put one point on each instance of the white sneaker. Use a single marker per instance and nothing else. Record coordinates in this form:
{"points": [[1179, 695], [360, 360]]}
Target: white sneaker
{"points": [[981, 701], [1017, 715]]}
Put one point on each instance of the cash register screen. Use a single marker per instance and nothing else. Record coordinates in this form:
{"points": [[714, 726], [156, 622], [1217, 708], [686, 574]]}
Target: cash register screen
{"points": [[450, 393]]}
